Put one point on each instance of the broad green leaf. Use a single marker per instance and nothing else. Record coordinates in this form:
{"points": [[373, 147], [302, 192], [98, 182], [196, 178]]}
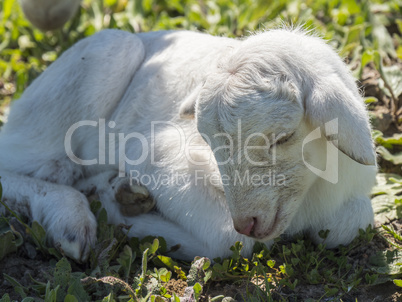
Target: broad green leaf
{"points": [[70, 298], [51, 294], [314, 276], [197, 291], [175, 298], [126, 259], [180, 273], [162, 245], [271, 263], [387, 262], [62, 276], [157, 299], [384, 208], [38, 234], [208, 275], [392, 75], [95, 206], [144, 265], [207, 264], [7, 244], [391, 231], [102, 217], [197, 271], [387, 142], [154, 247], [54, 252], [6, 298], [387, 183], [166, 261], [330, 291], [370, 100], [166, 277], [108, 298], [396, 159], [382, 39], [18, 288], [77, 290], [151, 243]]}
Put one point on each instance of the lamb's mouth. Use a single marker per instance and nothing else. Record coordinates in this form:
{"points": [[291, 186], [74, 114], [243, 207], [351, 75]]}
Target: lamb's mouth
{"points": [[273, 231]]}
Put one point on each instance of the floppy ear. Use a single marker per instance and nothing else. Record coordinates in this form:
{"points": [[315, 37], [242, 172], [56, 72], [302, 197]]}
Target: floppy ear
{"points": [[335, 105], [187, 108]]}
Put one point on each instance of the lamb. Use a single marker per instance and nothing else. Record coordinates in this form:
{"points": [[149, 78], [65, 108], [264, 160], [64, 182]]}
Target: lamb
{"points": [[202, 140]]}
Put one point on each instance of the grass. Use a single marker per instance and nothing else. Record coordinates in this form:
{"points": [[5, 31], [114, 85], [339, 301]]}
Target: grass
{"points": [[367, 34], [130, 270]]}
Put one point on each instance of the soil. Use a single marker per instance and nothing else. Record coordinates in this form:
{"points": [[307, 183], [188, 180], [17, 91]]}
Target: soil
{"points": [[176, 286], [20, 267]]}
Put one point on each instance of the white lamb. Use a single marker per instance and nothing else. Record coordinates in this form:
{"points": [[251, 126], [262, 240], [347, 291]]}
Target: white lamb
{"points": [[122, 114]]}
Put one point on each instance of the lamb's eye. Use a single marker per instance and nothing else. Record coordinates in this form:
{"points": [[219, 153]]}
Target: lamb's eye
{"points": [[283, 138]]}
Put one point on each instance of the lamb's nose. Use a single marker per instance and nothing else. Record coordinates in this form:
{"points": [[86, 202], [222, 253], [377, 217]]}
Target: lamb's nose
{"points": [[245, 226]]}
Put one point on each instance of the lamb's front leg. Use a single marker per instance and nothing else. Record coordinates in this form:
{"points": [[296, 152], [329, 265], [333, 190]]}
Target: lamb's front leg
{"points": [[128, 202], [120, 196], [188, 245], [61, 210]]}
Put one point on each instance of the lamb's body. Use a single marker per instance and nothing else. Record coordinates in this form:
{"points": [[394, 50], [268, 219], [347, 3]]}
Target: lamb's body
{"points": [[134, 80]]}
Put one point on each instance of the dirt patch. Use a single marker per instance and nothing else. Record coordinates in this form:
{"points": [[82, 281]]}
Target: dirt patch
{"points": [[237, 290], [176, 286], [384, 292], [22, 269]]}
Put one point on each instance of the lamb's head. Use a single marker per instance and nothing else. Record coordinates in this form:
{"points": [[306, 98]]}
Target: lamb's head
{"points": [[255, 127], [255, 112]]}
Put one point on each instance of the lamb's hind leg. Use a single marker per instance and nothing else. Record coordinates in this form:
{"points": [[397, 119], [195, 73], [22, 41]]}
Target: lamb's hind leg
{"points": [[61, 210]]}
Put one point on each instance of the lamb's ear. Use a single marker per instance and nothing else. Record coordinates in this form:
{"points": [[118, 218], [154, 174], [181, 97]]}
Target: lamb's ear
{"points": [[187, 108], [335, 105]]}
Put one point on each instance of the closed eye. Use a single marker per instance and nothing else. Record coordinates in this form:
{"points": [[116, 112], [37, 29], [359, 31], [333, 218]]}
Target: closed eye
{"points": [[283, 138]]}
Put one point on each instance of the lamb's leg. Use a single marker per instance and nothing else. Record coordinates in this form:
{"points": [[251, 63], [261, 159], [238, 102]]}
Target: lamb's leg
{"points": [[133, 198], [61, 210], [35, 137], [344, 224], [189, 245], [117, 194]]}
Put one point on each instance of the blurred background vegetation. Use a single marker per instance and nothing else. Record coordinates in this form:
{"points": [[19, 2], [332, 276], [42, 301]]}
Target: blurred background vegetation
{"points": [[366, 33], [363, 31]]}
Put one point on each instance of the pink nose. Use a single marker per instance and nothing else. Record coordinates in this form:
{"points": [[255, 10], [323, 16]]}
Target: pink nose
{"points": [[245, 226]]}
